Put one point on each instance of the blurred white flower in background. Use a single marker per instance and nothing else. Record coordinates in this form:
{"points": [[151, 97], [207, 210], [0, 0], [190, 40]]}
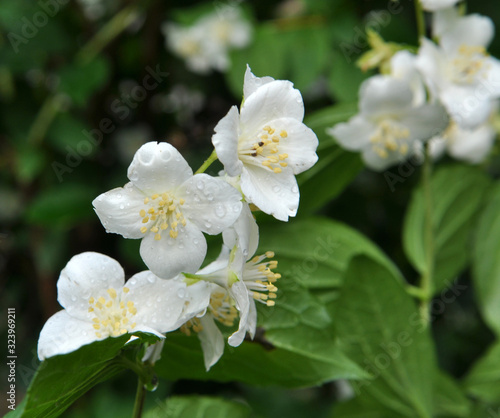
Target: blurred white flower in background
{"points": [[433, 5], [205, 45]]}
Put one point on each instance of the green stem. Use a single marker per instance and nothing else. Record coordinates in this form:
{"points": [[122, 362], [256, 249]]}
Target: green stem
{"points": [[419, 15], [426, 280], [107, 33], [49, 110], [208, 162], [140, 395]]}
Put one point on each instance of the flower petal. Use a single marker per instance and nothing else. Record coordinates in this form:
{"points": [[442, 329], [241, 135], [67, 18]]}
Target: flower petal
{"points": [[64, 334], [354, 134], [425, 121], [300, 144], [252, 83], [118, 210], [170, 256], [212, 341], [84, 276], [470, 30], [157, 168], [225, 140], [244, 232], [274, 100], [160, 303], [276, 194], [242, 299], [381, 95], [211, 203], [472, 146]]}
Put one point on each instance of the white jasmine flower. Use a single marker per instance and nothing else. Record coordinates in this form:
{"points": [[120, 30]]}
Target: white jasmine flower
{"points": [[388, 124], [169, 208], [98, 304], [469, 145], [459, 71], [433, 5], [205, 45], [266, 144], [403, 67]]}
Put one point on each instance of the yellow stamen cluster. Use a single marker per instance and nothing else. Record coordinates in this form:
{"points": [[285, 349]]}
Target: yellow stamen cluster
{"points": [[113, 313], [162, 215], [222, 309], [192, 325], [387, 138], [469, 62], [260, 278], [266, 150]]}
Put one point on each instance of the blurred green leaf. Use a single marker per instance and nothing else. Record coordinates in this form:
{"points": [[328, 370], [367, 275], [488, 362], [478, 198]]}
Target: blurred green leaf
{"points": [[482, 380], [449, 399], [486, 260], [29, 163], [60, 380], [457, 194], [80, 81], [251, 363], [66, 131], [65, 205], [199, 406], [345, 78], [379, 327]]}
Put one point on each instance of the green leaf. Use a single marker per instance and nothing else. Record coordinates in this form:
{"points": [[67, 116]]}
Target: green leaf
{"points": [[380, 328], [486, 261], [67, 131], [60, 380], [29, 163], [249, 363], [457, 193], [320, 257], [65, 205], [80, 81], [482, 380], [449, 398], [345, 78], [199, 406]]}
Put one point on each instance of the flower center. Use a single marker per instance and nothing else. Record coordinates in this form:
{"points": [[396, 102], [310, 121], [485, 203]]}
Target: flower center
{"points": [[469, 62], [388, 137], [189, 48], [163, 215], [265, 151], [259, 278], [113, 313]]}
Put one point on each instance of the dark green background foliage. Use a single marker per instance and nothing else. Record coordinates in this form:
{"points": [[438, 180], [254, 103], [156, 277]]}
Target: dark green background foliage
{"points": [[68, 130]]}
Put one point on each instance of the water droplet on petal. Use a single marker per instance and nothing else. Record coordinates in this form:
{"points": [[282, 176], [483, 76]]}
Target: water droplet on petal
{"points": [[220, 211], [73, 298], [122, 206], [158, 299], [132, 281], [200, 185], [181, 293], [151, 278], [119, 196], [276, 189], [207, 224]]}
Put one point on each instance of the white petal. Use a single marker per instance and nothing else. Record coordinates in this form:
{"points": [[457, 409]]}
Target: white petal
{"points": [[118, 210], [276, 194], [466, 107], [244, 232], [197, 299], [225, 140], [252, 83], [378, 163], [159, 302], [381, 95], [170, 256], [211, 203], [444, 20], [153, 352], [84, 276], [158, 168], [354, 134], [63, 334], [242, 299], [221, 263], [212, 341], [274, 100], [425, 121], [432, 5], [431, 63], [473, 30], [300, 144], [472, 146]]}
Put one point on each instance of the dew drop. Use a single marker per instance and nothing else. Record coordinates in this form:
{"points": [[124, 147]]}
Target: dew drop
{"points": [[276, 189], [195, 242], [207, 224], [181, 293], [73, 298], [119, 196], [210, 197], [122, 206], [236, 208], [133, 281], [158, 299], [220, 211], [151, 278]]}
